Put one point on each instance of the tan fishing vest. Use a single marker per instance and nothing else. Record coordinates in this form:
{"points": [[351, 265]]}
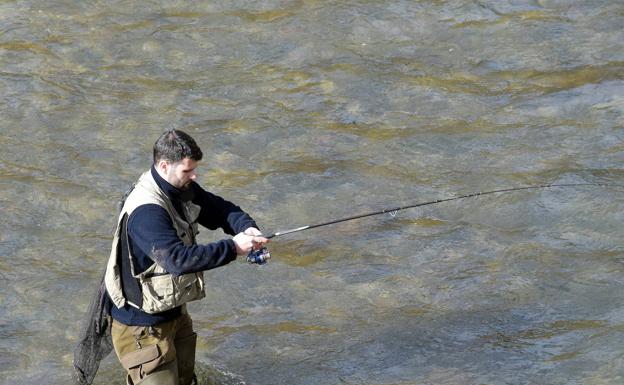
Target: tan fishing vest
{"points": [[160, 290]]}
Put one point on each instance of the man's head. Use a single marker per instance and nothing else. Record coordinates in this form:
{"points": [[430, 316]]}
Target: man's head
{"points": [[175, 157]]}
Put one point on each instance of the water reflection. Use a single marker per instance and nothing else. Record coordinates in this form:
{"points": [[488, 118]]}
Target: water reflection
{"points": [[307, 112]]}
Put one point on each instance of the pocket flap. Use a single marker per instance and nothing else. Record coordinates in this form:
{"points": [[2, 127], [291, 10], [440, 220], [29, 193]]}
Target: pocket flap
{"points": [[139, 357]]}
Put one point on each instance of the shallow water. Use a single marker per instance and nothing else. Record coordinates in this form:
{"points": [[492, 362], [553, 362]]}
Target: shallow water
{"points": [[309, 111]]}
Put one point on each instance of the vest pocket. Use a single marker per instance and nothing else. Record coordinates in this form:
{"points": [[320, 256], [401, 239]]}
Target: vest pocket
{"points": [[158, 293], [164, 292], [190, 287]]}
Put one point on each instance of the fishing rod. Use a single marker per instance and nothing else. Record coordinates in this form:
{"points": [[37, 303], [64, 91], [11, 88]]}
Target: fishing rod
{"points": [[260, 256]]}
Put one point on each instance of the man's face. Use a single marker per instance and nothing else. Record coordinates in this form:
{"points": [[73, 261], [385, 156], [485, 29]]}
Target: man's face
{"points": [[181, 174]]}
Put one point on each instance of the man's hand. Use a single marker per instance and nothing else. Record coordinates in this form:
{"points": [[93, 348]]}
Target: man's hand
{"points": [[246, 242], [253, 231]]}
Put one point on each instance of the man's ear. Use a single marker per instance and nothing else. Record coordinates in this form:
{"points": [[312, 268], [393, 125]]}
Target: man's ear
{"points": [[163, 166]]}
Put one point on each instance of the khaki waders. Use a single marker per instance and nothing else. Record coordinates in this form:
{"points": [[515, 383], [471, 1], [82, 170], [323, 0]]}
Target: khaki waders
{"points": [[163, 354]]}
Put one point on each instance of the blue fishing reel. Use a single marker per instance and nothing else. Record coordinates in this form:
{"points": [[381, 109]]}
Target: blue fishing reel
{"points": [[259, 257]]}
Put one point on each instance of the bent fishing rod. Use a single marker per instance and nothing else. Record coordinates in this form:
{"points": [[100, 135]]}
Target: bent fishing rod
{"points": [[261, 256]]}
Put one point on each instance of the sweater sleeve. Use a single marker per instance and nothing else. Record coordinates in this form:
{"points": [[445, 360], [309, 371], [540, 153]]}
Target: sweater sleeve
{"points": [[153, 236], [218, 213]]}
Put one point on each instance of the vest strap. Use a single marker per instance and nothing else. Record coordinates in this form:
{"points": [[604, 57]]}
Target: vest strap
{"points": [[130, 286]]}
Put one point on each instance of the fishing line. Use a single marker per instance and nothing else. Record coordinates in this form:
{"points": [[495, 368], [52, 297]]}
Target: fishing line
{"points": [[394, 210], [261, 256]]}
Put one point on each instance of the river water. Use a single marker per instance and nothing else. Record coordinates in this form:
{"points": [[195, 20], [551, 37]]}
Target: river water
{"points": [[308, 111]]}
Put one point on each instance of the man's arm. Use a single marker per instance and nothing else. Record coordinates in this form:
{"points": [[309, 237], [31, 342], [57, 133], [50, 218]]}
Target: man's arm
{"points": [[218, 213], [152, 234]]}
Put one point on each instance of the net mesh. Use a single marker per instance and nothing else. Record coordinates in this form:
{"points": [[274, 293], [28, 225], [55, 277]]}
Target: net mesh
{"points": [[95, 341], [95, 338]]}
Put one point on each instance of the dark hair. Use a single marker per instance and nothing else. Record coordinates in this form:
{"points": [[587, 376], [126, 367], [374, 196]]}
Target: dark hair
{"points": [[175, 145]]}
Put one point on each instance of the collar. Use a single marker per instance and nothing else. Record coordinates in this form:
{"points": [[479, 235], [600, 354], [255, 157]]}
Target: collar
{"points": [[174, 193]]}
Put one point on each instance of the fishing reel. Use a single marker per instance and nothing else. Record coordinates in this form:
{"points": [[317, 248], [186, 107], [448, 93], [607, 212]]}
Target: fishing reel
{"points": [[259, 257]]}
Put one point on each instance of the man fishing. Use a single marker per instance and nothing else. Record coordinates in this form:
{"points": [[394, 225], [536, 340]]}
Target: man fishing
{"points": [[156, 266]]}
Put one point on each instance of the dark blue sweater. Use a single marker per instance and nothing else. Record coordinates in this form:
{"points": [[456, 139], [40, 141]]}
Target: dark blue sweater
{"points": [[150, 228]]}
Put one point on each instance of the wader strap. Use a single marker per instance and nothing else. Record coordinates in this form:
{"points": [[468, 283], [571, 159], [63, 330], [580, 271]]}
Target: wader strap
{"points": [[129, 285]]}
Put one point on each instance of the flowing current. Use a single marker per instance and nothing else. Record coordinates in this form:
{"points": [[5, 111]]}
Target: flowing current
{"points": [[308, 111]]}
